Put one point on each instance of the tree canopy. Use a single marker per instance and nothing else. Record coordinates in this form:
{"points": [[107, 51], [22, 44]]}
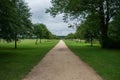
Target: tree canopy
{"points": [[40, 31], [14, 19], [80, 9]]}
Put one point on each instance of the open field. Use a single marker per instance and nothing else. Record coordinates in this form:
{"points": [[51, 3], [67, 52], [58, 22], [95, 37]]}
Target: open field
{"points": [[105, 62], [16, 63]]}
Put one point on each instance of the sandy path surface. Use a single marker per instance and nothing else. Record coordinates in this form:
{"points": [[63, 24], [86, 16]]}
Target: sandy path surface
{"points": [[61, 64]]}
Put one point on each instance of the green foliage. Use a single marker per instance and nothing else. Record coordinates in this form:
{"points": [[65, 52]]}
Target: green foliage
{"points": [[70, 36], [76, 8], [80, 9], [7, 16], [105, 62], [114, 29], [89, 29], [24, 22], [53, 36], [14, 19], [40, 31], [15, 64], [114, 32]]}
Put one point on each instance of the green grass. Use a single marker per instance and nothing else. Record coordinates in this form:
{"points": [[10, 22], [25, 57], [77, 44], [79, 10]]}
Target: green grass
{"points": [[105, 62], [16, 63]]}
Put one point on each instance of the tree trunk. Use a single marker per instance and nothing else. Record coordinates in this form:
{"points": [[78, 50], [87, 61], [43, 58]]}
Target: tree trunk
{"points": [[15, 41], [103, 26], [40, 40], [104, 37], [91, 40], [36, 41]]}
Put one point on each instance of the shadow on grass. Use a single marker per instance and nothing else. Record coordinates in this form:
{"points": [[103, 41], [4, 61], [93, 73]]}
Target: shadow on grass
{"points": [[21, 48]]}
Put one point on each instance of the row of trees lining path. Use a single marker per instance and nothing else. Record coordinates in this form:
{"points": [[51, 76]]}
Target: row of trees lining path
{"points": [[101, 15], [15, 22], [100, 19]]}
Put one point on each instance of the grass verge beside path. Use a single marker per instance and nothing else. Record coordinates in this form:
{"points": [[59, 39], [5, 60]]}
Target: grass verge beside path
{"points": [[105, 62], [16, 63]]}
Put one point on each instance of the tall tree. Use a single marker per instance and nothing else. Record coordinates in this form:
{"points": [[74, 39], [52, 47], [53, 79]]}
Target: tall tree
{"points": [[14, 19], [23, 20], [41, 31], [7, 18], [38, 32], [106, 10]]}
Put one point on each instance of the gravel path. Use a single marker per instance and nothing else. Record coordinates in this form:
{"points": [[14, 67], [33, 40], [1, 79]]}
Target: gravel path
{"points": [[61, 64]]}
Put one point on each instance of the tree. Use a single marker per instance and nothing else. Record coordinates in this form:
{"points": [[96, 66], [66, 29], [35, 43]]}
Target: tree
{"points": [[114, 32], [114, 29], [88, 28], [52, 36], [41, 31], [7, 18], [23, 22], [87, 32], [72, 9], [46, 33], [70, 36], [37, 32], [14, 19]]}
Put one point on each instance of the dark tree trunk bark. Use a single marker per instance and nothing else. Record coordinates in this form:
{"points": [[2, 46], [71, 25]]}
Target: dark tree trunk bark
{"points": [[36, 41], [15, 41], [103, 26], [104, 36], [40, 40], [91, 40]]}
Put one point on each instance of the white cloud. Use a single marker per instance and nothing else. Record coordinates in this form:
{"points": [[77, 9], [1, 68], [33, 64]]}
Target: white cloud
{"points": [[55, 25]]}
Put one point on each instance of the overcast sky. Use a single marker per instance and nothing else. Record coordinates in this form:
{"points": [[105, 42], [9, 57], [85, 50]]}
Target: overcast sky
{"points": [[55, 25]]}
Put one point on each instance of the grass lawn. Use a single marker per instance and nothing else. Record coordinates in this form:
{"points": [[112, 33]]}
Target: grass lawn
{"points": [[105, 62], [16, 63]]}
